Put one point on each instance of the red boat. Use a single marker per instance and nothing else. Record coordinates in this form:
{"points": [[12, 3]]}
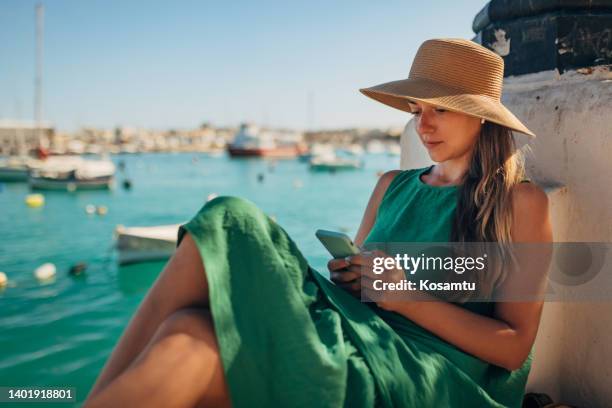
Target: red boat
{"points": [[250, 142]]}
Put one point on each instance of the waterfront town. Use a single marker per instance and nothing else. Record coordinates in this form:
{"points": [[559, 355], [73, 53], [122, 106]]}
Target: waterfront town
{"points": [[19, 136]]}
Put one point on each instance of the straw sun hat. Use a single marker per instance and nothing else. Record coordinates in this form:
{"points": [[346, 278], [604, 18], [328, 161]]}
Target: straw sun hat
{"points": [[455, 74]]}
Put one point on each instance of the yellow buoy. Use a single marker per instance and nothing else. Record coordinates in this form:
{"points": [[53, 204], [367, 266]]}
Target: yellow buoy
{"points": [[3, 279], [35, 200]]}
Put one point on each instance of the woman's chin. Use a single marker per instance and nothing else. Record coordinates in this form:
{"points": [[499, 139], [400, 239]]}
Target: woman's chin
{"points": [[437, 157]]}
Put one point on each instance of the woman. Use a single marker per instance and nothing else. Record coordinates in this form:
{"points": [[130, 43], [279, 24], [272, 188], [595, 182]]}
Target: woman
{"points": [[237, 317]]}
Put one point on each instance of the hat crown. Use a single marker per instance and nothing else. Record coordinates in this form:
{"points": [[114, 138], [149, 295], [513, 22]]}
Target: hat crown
{"points": [[460, 64]]}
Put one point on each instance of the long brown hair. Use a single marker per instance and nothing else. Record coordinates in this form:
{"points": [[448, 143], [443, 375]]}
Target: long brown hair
{"points": [[484, 207]]}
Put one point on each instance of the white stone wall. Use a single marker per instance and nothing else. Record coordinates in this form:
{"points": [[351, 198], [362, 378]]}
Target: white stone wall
{"points": [[571, 115]]}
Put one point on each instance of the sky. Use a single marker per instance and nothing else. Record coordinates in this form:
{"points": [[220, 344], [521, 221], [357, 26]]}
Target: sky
{"points": [[177, 64]]}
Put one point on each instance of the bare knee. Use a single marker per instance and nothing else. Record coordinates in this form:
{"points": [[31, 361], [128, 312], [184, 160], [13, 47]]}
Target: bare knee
{"points": [[180, 349], [195, 322]]}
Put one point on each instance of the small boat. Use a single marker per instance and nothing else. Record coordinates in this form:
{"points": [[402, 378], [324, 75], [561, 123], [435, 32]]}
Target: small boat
{"points": [[73, 173], [17, 168], [141, 244], [251, 142], [317, 149], [353, 150], [332, 162], [13, 172]]}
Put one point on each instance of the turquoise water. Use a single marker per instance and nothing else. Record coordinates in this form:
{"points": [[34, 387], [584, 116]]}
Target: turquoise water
{"points": [[61, 333]]}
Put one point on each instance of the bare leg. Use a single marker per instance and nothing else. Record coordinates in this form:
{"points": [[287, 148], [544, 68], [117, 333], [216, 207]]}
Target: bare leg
{"points": [[181, 284], [180, 367]]}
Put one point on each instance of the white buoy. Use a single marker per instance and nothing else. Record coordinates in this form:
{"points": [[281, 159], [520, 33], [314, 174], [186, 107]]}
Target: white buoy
{"points": [[3, 279], [297, 183], [90, 209], [45, 271]]}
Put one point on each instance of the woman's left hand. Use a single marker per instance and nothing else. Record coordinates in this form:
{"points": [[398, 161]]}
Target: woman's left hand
{"points": [[364, 264]]}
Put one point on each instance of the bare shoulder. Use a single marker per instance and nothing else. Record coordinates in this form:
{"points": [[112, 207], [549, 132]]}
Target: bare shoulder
{"points": [[382, 185], [531, 218], [369, 217], [529, 197], [386, 179]]}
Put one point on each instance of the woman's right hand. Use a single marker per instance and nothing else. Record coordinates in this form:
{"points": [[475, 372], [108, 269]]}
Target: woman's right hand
{"points": [[343, 277]]}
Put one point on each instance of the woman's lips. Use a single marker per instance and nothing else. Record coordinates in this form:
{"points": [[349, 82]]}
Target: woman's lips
{"points": [[429, 145]]}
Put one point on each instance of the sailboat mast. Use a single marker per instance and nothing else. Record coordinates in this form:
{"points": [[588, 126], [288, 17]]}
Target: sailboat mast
{"points": [[39, 69]]}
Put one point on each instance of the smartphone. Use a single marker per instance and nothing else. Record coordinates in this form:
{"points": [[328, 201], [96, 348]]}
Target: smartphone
{"points": [[338, 244]]}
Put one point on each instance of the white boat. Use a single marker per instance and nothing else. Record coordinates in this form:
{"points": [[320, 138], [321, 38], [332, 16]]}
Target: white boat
{"points": [[141, 244], [353, 150], [333, 162], [17, 168], [318, 149], [72, 173], [12, 171]]}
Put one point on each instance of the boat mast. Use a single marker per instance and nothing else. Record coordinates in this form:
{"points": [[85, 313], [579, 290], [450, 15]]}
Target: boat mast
{"points": [[39, 66], [311, 112]]}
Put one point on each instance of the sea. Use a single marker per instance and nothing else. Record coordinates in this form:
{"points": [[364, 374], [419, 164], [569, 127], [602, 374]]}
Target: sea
{"points": [[59, 333]]}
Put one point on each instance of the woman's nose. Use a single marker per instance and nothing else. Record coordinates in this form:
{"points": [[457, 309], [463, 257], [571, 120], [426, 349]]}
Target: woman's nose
{"points": [[424, 122]]}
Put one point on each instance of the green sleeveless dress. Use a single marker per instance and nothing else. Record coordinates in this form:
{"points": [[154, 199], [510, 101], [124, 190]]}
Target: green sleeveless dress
{"points": [[290, 337]]}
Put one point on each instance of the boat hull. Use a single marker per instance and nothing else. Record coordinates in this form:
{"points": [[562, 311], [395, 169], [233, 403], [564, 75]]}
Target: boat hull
{"points": [[143, 244], [334, 164], [334, 167], [46, 183], [132, 256], [289, 151], [14, 175]]}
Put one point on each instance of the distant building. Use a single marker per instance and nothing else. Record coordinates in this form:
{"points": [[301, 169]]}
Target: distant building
{"points": [[18, 136]]}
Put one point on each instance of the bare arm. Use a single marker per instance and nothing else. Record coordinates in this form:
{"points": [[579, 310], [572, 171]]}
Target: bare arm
{"points": [[350, 280], [369, 216], [505, 340]]}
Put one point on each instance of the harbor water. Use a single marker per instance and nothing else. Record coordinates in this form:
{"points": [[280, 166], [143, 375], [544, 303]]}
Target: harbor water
{"points": [[60, 333]]}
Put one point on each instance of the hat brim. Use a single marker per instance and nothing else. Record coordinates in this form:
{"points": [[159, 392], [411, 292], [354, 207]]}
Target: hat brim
{"points": [[398, 94]]}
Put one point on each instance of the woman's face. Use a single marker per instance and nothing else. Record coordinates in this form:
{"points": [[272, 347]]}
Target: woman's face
{"points": [[446, 135]]}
